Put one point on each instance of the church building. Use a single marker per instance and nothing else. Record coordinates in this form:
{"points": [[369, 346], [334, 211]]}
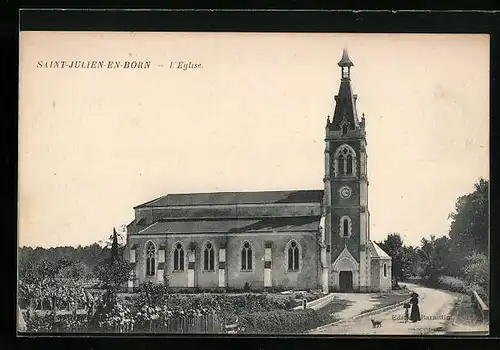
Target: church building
{"points": [[272, 240]]}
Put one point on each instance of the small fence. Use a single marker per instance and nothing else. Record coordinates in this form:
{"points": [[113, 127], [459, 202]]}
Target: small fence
{"points": [[482, 310], [205, 324], [190, 324], [178, 325]]}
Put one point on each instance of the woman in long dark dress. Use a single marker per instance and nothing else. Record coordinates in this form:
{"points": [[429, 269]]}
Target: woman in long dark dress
{"points": [[415, 311]]}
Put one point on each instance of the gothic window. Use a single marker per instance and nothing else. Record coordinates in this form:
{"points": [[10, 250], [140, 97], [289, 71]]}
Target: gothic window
{"points": [[345, 161], [208, 257], [341, 165], [385, 270], [246, 257], [150, 259], [349, 164], [178, 257], [293, 256], [345, 226]]}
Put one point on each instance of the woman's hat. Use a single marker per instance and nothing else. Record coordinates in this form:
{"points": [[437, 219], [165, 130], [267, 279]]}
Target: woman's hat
{"points": [[414, 294]]}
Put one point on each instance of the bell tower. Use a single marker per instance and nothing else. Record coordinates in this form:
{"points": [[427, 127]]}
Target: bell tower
{"points": [[345, 203]]}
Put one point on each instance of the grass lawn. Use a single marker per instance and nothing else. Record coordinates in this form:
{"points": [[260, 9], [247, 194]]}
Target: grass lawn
{"points": [[327, 313]]}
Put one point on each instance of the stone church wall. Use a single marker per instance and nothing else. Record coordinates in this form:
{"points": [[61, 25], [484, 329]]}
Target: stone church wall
{"points": [[305, 278]]}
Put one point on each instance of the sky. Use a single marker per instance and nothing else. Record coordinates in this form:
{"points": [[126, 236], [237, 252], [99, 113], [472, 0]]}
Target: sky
{"points": [[94, 143]]}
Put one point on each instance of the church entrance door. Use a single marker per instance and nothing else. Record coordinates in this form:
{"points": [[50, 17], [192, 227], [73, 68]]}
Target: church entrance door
{"points": [[345, 281]]}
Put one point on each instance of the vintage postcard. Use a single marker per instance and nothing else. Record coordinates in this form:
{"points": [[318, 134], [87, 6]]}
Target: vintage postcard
{"points": [[253, 183]]}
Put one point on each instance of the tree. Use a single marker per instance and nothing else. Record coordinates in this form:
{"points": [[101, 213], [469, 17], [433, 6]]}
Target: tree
{"points": [[114, 246], [50, 281], [90, 256], [470, 222], [411, 262], [113, 273], [393, 245], [435, 257], [76, 271]]}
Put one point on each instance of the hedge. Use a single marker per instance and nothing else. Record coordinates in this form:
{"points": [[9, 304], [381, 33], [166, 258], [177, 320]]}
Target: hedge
{"points": [[457, 285], [280, 322], [227, 303]]}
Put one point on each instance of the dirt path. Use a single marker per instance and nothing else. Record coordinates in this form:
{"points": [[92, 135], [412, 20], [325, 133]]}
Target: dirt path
{"points": [[435, 309], [359, 303]]}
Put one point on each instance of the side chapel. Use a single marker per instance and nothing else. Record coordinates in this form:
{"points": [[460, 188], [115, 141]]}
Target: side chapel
{"points": [[306, 239]]}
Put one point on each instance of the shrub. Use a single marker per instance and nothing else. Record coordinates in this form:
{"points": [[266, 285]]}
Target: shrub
{"points": [[477, 270], [119, 317], [280, 322], [457, 285], [479, 290], [151, 294], [70, 324], [38, 323], [452, 284], [63, 323]]}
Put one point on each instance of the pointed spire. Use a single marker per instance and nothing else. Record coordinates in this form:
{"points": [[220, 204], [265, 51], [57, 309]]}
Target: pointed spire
{"points": [[345, 61], [345, 106]]}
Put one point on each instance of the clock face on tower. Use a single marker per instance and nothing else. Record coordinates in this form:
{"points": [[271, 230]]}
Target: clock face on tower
{"points": [[345, 192]]}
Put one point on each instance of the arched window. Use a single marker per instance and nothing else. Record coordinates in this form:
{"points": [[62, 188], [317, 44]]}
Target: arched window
{"points": [[341, 165], [246, 257], [385, 270], [150, 259], [349, 165], [208, 257], [345, 161], [178, 257], [345, 226], [293, 256]]}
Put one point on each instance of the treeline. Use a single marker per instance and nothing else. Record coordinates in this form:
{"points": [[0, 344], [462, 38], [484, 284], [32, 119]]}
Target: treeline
{"points": [[458, 261], [80, 261]]}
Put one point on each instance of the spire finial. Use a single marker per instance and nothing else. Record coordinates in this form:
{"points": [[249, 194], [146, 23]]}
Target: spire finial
{"points": [[345, 61]]}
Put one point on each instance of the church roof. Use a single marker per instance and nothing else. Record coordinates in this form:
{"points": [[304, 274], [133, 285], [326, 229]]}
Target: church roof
{"points": [[231, 198], [377, 252], [308, 223]]}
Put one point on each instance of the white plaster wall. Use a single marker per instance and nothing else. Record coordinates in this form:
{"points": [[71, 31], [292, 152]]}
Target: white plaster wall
{"points": [[385, 282]]}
